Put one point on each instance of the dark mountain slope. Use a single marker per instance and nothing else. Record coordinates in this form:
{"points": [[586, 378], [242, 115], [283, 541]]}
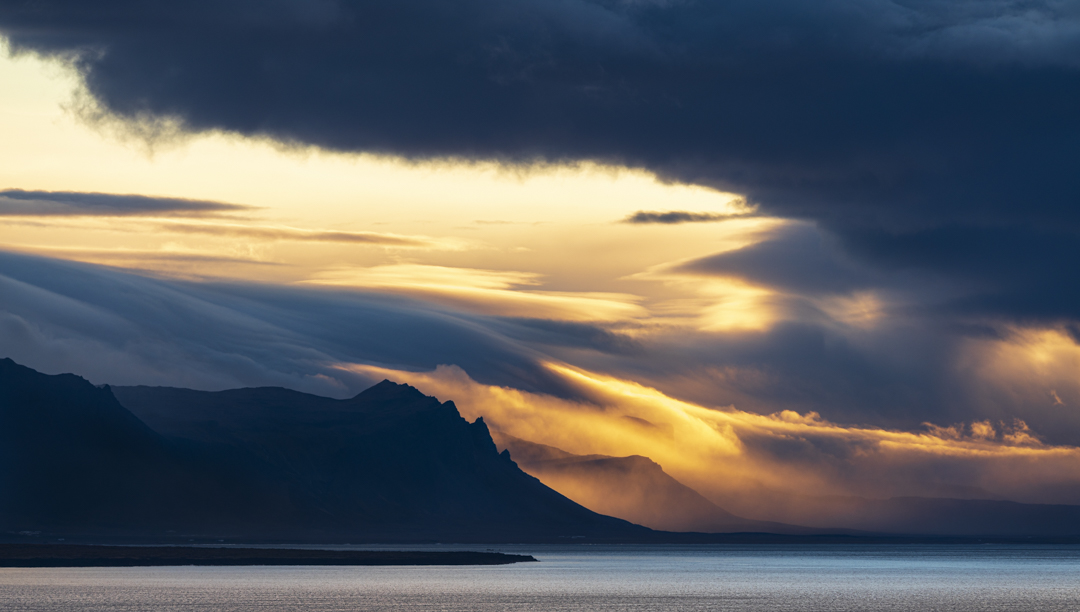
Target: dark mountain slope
{"points": [[388, 464], [73, 459], [264, 464]]}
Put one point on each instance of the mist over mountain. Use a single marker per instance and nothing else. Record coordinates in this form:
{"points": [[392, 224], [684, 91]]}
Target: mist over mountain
{"points": [[639, 490], [634, 488]]}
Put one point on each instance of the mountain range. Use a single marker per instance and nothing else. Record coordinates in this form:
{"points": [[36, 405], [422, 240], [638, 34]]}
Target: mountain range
{"points": [[159, 464], [264, 464]]}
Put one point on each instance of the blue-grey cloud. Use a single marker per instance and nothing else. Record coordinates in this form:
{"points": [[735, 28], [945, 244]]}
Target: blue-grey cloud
{"points": [[954, 271], [122, 328], [18, 202], [568, 334], [1015, 272], [798, 258]]}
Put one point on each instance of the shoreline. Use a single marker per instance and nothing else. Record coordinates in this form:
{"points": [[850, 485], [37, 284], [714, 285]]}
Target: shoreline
{"points": [[81, 555]]}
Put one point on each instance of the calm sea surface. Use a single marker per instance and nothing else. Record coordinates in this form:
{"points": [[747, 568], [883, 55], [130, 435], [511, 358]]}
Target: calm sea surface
{"points": [[826, 578]]}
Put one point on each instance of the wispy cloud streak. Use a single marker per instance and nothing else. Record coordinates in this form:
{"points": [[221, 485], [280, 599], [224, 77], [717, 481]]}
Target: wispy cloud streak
{"points": [[284, 233], [673, 217], [21, 203]]}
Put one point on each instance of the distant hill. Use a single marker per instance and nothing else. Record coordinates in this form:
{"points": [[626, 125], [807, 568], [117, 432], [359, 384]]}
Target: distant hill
{"points": [[634, 488], [925, 516], [264, 464]]}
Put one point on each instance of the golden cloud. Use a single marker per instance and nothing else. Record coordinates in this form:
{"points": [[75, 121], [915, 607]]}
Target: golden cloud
{"points": [[496, 292], [738, 458]]}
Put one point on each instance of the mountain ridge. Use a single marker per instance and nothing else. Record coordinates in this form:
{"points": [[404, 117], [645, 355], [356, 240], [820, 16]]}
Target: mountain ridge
{"points": [[387, 465]]}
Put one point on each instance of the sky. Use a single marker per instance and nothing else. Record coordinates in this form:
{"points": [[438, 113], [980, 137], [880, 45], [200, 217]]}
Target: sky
{"points": [[831, 244]]}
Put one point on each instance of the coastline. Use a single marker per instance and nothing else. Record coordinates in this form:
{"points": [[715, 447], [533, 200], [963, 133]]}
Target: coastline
{"points": [[80, 555]]}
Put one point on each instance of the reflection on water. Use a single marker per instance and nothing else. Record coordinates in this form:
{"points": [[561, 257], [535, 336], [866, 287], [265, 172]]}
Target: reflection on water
{"points": [[825, 578]]}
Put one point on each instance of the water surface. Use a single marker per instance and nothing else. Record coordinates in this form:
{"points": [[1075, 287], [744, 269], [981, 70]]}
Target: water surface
{"points": [[596, 578]]}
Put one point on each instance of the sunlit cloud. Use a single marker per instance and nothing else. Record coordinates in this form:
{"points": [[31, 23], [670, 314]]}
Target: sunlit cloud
{"points": [[732, 455], [503, 293], [721, 305], [736, 306], [781, 271], [1027, 367], [862, 309]]}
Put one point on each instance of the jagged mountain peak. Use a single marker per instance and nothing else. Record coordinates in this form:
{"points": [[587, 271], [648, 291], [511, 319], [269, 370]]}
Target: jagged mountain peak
{"points": [[388, 389]]}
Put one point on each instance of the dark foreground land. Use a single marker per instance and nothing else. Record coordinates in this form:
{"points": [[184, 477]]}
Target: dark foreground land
{"points": [[49, 555]]}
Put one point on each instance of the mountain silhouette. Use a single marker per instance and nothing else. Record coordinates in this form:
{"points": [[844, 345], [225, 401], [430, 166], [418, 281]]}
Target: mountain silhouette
{"points": [[264, 464], [73, 459]]}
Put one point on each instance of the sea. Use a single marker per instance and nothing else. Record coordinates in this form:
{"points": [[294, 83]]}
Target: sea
{"points": [[825, 578]]}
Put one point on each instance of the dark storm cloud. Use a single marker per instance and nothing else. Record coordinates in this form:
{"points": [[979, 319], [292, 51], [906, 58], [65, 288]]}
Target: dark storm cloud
{"points": [[17, 202], [871, 117], [1012, 271], [873, 111]]}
